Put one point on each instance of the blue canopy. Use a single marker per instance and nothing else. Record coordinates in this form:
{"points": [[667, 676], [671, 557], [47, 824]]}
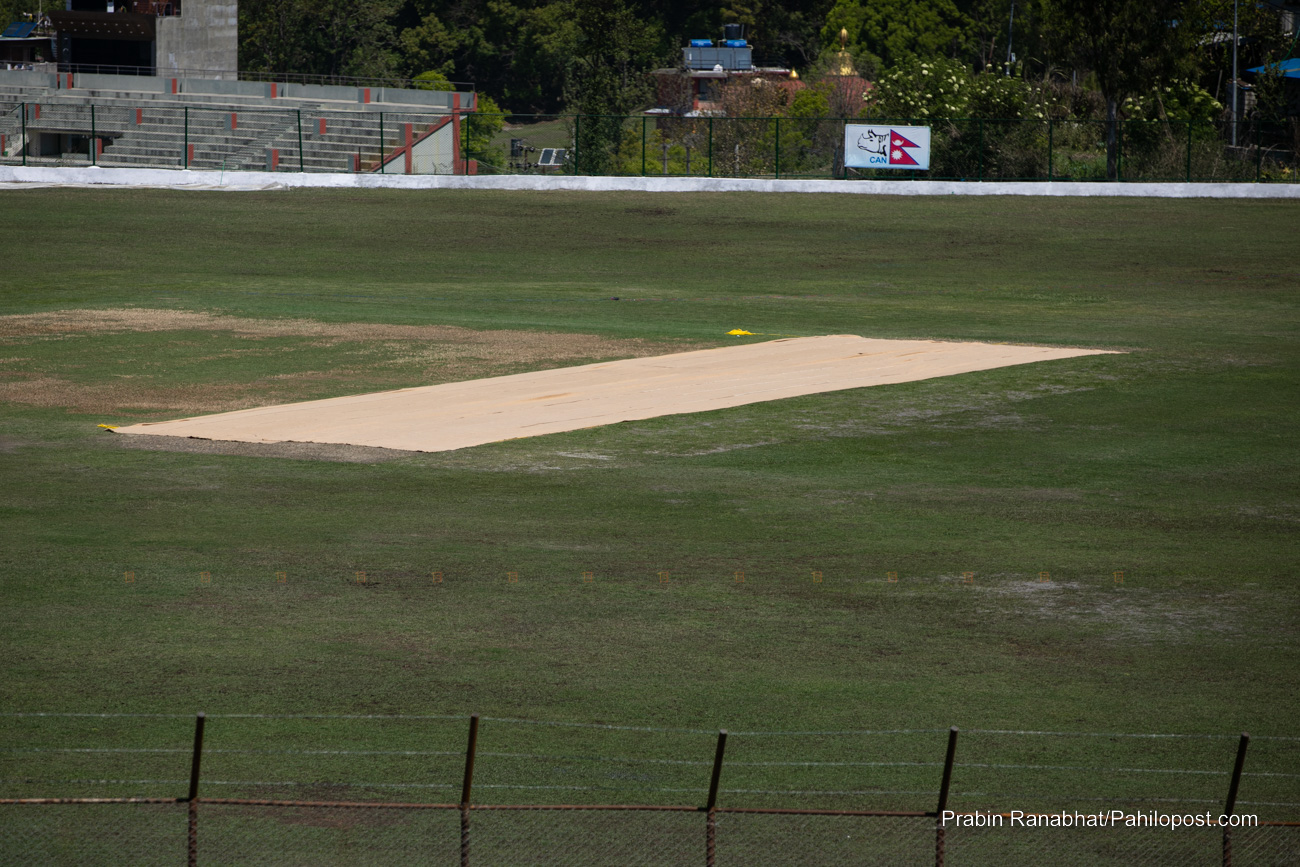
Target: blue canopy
{"points": [[18, 30], [1287, 68]]}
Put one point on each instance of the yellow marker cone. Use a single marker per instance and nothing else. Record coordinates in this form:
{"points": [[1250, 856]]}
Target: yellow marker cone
{"points": [[738, 332]]}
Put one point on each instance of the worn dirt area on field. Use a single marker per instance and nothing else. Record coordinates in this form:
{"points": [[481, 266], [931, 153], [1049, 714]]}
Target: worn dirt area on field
{"points": [[339, 453], [362, 356]]}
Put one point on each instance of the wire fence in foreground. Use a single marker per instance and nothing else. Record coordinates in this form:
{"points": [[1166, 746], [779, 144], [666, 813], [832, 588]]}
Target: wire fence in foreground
{"points": [[465, 828]]}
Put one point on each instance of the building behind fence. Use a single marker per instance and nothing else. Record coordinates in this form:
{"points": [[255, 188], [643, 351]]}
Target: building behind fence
{"points": [[924, 797]]}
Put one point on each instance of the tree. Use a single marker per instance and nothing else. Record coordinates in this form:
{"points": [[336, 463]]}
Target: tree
{"points": [[607, 77], [479, 130], [884, 33], [1131, 46], [319, 37]]}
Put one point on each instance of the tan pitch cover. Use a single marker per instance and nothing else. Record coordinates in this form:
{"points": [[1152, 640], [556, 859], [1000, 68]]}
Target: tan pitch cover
{"points": [[460, 414]]}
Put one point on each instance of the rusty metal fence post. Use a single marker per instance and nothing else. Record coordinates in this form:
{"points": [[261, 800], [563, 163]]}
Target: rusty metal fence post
{"points": [[710, 822], [193, 798], [468, 783], [1231, 803], [943, 798]]}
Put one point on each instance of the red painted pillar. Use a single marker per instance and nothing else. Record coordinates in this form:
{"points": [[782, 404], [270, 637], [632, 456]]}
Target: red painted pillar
{"points": [[273, 90], [68, 86], [189, 158], [174, 88], [99, 146], [275, 158], [38, 111], [365, 94], [457, 164], [234, 121], [322, 126], [356, 163], [139, 116], [409, 142]]}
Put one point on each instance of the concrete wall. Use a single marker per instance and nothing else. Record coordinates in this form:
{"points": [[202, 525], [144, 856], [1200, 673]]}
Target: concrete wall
{"points": [[17, 78], [204, 37], [223, 88], [120, 83], [432, 98], [178, 179]]}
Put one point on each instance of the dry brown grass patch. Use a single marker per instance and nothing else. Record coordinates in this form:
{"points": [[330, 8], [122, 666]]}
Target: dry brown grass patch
{"points": [[375, 356]]}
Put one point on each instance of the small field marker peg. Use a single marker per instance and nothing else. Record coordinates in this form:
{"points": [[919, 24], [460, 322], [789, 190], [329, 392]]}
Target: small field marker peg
{"points": [[359, 577], [588, 577], [129, 576], [817, 577], [437, 577], [740, 578], [968, 577], [205, 577], [891, 577], [1044, 576], [512, 577], [281, 577], [663, 577], [1118, 576]]}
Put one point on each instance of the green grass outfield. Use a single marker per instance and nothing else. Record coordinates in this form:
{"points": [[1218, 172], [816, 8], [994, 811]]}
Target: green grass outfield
{"points": [[1175, 462]]}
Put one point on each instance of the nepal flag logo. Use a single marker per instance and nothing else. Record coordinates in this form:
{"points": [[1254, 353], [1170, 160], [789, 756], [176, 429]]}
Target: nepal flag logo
{"points": [[898, 145]]}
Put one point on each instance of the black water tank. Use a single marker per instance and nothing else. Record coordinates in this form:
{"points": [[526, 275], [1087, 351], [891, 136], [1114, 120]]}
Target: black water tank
{"points": [[733, 31]]}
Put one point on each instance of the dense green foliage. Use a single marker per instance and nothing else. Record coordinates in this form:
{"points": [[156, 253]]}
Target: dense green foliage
{"points": [[545, 55]]}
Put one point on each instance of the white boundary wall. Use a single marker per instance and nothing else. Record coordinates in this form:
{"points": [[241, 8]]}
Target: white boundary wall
{"points": [[20, 177]]}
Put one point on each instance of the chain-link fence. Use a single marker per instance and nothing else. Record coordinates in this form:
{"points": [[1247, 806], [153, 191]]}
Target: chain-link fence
{"points": [[284, 789], [159, 134], [961, 149], [272, 833]]}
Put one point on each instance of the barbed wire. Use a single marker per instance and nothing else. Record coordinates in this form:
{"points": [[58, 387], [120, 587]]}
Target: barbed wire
{"points": [[650, 761], [654, 729], [1028, 796]]}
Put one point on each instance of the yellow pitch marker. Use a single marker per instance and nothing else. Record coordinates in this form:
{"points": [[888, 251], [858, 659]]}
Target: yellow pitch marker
{"points": [[740, 332], [107, 426]]}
